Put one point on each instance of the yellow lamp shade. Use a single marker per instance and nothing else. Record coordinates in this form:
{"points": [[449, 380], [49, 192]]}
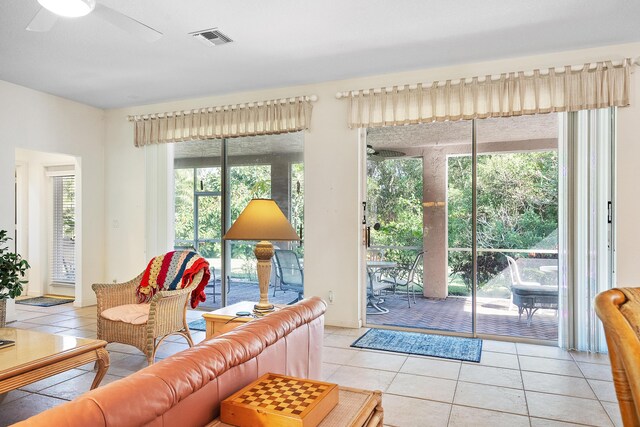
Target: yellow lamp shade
{"points": [[262, 219]]}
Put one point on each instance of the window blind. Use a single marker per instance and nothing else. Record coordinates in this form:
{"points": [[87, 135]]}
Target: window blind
{"points": [[63, 261]]}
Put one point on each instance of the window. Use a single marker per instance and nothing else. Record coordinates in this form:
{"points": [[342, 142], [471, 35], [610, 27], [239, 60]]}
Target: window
{"points": [[63, 261], [297, 203], [197, 210], [214, 181]]}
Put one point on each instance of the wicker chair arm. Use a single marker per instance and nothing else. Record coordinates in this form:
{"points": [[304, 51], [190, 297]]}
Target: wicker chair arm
{"points": [[167, 311], [115, 294]]}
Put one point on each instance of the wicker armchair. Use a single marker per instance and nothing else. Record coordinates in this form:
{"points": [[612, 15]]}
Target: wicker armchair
{"points": [[167, 315], [619, 310]]}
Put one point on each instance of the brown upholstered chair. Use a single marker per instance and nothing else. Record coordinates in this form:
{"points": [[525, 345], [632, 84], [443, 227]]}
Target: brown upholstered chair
{"points": [[619, 310]]}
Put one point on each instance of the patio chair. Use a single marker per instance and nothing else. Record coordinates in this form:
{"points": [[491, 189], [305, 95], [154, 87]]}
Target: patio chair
{"points": [[143, 325], [212, 283], [529, 297], [619, 310], [289, 274], [408, 277], [374, 292], [376, 254]]}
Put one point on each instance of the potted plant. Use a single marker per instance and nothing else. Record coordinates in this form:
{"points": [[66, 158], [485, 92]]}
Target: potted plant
{"points": [[12, 271]]}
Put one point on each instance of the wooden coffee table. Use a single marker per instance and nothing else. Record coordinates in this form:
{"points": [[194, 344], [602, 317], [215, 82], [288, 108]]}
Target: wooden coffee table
{"points": [[37, 355]]}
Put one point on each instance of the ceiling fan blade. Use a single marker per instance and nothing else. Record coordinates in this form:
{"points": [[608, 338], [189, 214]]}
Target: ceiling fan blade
{"points": [[43, 21], [127, 24]]}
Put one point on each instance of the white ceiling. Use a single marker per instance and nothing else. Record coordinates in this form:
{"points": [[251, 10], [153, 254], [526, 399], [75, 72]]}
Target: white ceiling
{"points": [[288, 42]]}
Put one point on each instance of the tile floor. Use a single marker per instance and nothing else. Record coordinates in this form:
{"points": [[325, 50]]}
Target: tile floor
{"points": [[513, 385]]}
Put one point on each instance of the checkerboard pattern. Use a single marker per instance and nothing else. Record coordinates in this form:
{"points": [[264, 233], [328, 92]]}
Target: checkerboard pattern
{"points": [[282, 394]]}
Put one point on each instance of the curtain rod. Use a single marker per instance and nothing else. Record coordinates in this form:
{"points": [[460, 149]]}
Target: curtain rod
{"points": [[311, 98], [493, 77]]}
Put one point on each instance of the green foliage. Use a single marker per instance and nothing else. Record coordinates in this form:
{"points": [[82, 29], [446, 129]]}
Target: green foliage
{"points": [[297, 202], [394, 194], [459, 291], [246, 183], [69, 211], [12, 269], [459, 202], [517, 199], [184, 185]]}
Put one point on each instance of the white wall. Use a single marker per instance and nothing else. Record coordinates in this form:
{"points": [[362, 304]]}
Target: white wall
{"points": [[332, 164], [36, 224], [37, 121], [332, 209], [627, 208]]}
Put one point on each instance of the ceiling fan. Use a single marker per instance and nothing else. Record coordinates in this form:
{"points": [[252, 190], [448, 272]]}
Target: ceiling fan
{"points": [[381, 155], [51, 10]]}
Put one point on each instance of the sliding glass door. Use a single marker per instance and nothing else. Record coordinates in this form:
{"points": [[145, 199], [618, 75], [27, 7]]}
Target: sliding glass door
{"points": [[214, 181], [488, 211], [419, 203], [517, 227]]}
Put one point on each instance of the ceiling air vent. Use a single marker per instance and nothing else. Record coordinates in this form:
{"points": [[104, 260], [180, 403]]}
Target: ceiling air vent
{"points": [[211, 37]]}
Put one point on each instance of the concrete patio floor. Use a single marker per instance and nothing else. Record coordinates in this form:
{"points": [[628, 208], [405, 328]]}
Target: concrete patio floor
{"points": [[496, 316], [244, 291]]}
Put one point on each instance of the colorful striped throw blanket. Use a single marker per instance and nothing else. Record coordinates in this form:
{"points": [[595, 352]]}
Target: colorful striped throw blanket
{"points": [[171, 271]]}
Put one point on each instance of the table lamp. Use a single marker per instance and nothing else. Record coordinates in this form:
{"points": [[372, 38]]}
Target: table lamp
{"points": [[262, 220]]}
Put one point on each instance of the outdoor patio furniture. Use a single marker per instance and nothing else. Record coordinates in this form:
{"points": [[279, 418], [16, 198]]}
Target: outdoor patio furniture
{"points": [[289, 274], [374, 291], [376, 254], [406, 277], [619, 310], [529, 297], [212, 282]]}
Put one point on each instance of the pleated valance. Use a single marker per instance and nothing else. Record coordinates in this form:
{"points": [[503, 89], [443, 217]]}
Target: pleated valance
{"points": [[229, 121], [593, 86]]}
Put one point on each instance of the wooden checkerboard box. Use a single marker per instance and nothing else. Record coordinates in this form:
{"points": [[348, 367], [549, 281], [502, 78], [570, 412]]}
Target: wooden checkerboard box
{"points": [[279, 400]]}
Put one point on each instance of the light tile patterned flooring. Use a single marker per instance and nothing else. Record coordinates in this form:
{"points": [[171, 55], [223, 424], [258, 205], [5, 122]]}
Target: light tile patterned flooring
{"points": [[513, 385]]}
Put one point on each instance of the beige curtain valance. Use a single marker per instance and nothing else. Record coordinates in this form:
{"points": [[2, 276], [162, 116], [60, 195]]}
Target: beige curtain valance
{"points": [[229, 121], [597, 85]]}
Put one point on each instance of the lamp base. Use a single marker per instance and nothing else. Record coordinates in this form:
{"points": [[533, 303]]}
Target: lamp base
{"points": [[261, 310], [263, 252]]}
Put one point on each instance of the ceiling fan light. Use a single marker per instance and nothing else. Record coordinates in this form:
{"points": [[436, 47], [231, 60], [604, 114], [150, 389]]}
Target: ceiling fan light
{"points": [[69, 8]]}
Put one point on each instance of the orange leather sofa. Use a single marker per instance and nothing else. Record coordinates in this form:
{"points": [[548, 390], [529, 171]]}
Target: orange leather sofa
{"points": [[186, 389], [619, 310]]}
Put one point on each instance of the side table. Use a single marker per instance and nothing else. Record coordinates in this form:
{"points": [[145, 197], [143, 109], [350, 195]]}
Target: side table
{"points": [[224, 319], [356, 408]]}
